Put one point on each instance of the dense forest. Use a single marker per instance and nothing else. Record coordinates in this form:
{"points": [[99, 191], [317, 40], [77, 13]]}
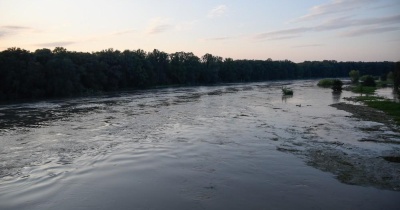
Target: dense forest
{"points": [[60, 73]]}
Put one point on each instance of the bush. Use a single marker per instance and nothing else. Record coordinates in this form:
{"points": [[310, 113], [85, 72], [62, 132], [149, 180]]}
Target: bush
{"points": [[369, 81], [287, 91], [337, 85], [325, 83], [354, 75]]}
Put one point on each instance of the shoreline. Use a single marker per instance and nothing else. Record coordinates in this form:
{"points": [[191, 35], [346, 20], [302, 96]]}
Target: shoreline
{"points": [[350, 165], [366, 113]]}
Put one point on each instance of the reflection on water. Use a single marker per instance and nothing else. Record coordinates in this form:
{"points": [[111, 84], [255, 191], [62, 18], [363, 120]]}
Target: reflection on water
{"points": [[336, 96], [388, 93], [286, 97], [239, 146]]}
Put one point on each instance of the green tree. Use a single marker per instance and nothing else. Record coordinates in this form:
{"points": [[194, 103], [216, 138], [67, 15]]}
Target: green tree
{"points": [[60, 50], [396, 78], [192, 67], [354, 75], [159, 62], [43, 55], [178, 68], [390, 76], [57, 73], [211, 68], [337, 85], [369, 81]]}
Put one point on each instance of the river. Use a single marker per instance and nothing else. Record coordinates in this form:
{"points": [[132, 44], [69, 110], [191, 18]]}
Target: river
{"points": [[236, 146]]}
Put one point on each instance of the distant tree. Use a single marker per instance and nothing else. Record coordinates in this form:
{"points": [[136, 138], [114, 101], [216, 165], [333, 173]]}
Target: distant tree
{"points": [[369, 80], [177, 70], [59, 50], [354, 75], [211, 68], [245, 69], [337, 85], [193, 66], [184, 68], [142, 72], [383, 77], [63, 78], [390, 76], [228, 72], [43, 55], [159, 62], [57, 73], [396, 78]]}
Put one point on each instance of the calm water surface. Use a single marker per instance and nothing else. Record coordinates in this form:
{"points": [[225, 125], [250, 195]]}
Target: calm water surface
{"points": [[223, 147]]}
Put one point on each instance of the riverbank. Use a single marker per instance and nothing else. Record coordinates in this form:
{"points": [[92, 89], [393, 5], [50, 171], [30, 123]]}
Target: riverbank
{"points": [[353, 166], [364, 112]]}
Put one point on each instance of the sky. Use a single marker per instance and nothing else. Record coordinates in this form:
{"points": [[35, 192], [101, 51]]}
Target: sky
{"points": [[297, 30]]}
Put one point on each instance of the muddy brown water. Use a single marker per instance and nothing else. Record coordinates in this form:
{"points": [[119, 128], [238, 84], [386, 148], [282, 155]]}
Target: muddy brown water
{"points": [[237, 146]]}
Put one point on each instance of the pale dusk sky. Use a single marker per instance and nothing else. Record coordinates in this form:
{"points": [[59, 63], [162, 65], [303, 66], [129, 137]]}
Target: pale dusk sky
{"points": [[297, 30]]}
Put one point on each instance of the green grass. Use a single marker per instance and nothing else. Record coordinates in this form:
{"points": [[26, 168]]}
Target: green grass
{"points": [[363, 89], [387, 83], [326, 83], [389, 107], [368, 98]]}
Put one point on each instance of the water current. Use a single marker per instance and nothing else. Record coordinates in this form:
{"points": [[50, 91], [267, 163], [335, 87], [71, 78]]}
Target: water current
{"points": [[236, 146]]}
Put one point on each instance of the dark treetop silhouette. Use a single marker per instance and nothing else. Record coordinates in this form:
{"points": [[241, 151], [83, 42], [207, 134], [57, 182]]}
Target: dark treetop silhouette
{"points": [[61, 73]]}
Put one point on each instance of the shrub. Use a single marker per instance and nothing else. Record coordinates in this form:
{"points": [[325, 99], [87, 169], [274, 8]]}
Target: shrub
{"points": [[369, 81], [287, 91], [337, 85], [354, 75], [325, 83]]}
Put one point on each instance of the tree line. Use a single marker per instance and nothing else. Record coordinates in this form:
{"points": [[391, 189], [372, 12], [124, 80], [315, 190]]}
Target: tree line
{"points": [[47, 73]]}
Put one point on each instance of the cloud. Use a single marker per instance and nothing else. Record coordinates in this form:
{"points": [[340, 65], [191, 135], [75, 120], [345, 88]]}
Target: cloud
{"points": [[331, 17], [369, 30], [308, 45], [124, 32], [219, 38], [55, 44], [159, 25], [282, 33], [335, 6], [387, 5], [284, 37], [335, 23], [186, 25], [376, 24], [3, 33], [11, 27], [217, 11], [346, 22], [382, 20], [12, 30], [159, 29]]}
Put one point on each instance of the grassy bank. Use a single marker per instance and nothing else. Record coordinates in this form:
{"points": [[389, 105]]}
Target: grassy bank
{"points": [[326, 83], [391, 108], [363, 89]]}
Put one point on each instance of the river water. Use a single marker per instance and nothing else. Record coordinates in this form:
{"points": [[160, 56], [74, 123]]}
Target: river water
{"points": [[237, 146]]}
